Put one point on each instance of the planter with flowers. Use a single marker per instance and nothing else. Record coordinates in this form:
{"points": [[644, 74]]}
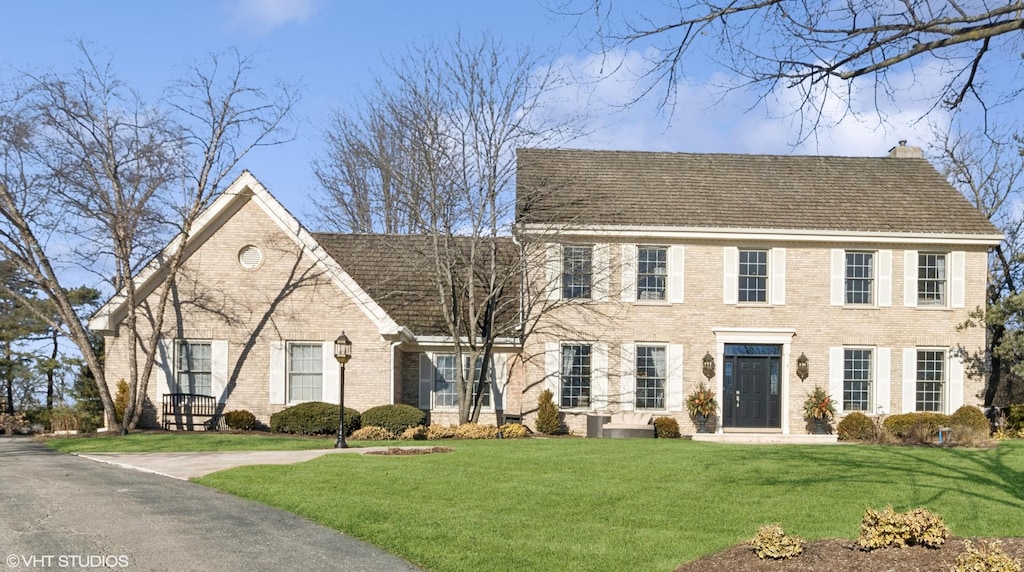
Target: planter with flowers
{"points": [[819, 409], [702, 404]]}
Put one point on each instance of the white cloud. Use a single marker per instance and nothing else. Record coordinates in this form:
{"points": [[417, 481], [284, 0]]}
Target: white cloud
{"points": [[267, 15]]}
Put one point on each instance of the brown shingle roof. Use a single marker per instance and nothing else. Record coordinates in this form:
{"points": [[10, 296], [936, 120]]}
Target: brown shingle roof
{"points": [[859, 194], [397, 272]]}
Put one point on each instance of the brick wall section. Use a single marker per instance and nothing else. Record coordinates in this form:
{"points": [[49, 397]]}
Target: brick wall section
{"points": [[807, 310], [288, 298]]}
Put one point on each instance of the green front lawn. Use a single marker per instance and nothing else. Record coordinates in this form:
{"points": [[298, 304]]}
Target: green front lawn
{"points": [[180, 442], [575, 504]]}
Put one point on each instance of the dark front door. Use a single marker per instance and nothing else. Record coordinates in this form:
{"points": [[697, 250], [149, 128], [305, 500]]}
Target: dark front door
{"points": [[751, 396]]}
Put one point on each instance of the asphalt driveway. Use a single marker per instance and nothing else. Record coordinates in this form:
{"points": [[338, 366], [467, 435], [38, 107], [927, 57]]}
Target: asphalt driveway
{"points": [[61, 512]]}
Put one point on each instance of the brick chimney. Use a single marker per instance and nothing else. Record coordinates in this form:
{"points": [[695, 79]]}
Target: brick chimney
{"points": [[902, 151]]}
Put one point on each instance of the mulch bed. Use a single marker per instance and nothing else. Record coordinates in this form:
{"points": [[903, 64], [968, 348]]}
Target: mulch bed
{"points": [[416, 451], [838, 554]]}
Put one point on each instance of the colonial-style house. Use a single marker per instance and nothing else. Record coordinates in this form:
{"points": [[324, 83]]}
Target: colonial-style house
{"points": [[861, 267], [650, 267]]}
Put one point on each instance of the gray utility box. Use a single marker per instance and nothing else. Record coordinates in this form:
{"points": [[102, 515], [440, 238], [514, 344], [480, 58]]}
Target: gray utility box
{"points": [[594, 423]]}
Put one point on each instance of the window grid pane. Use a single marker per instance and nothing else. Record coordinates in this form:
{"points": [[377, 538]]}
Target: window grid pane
{"points": [[930, 380], [195, 367], [753, 275], [487, 384], [931, 279], [575, 376], [577, 272], [650, 377], [305, 372], [859, 277], [856, 380], [651, 273], [444, 381]]}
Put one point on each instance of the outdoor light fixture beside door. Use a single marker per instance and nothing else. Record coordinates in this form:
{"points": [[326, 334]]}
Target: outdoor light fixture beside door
{"points": [[709, 365], [342, 353], [801, 367]]}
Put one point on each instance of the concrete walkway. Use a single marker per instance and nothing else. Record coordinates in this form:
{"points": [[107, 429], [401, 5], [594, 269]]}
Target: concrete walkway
{"points": [[190, 465], [62, 512]]}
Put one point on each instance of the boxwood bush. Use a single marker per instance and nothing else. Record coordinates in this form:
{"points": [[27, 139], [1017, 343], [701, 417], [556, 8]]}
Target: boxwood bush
{"points": [[970, 417], [908, 425], [856, 426], [394, 418], [240, 420], [313, 418], [666, 428]]}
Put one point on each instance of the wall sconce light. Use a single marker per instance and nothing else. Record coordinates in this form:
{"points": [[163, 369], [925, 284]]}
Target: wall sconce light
{"points": [[709, 365], [801, 367]]}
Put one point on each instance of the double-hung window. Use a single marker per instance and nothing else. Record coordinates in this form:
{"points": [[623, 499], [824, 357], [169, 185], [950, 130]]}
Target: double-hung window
{"points": [[651, 273], [195, 367], [445, 394], [931, 377], [577, 272], [860, 277], [651, 372], [575, 375], [753, 276], [931, 279], [857, 379], [305, 372]]}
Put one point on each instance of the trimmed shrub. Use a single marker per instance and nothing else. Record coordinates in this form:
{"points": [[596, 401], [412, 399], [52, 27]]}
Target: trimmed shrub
{"points": [[313, 418], [121, 400], [666, 428], [771, 542], [917, 427], [513, 431], [971, 417], [417, 433], [395, 418], [856, 427], [240, 419], [436, 431], [988, 557], [895, 529], [476, 431], [372, 433], [547, 414]]}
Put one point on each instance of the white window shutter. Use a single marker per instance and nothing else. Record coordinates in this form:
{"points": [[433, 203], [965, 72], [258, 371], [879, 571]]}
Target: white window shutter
{"points": [[730, 275], [674, 394], [883, 377], [163, 367], [331, 374], [498, 386], [955, 397], [219, 369], [778, 272], [426, 380], [836, 356], [627, 377], [909, 380], [676, 269], [277, 373], [628, 272], [599, 376], [957, 269], [910, 278], [553, 271], [552, 368], [838, 283], [601, 272], [884, 267]]}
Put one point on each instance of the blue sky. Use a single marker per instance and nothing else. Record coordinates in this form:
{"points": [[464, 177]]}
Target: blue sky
{"points": [[333, 50]]}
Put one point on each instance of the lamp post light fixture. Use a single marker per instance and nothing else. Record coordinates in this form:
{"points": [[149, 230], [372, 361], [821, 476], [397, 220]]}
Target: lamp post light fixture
{"points": [[342, 353], [802, 370], [709, 365]]}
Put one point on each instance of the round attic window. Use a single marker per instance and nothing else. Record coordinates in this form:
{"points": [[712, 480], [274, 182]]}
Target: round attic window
{"points": [[250, 257]]}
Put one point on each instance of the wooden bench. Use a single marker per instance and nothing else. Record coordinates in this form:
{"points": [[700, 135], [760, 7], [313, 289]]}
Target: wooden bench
{"points": [[189, 411], [628, 424]]}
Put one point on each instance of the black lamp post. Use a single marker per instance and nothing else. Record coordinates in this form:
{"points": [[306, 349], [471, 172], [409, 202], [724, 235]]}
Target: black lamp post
{"points": [[342, 353]]}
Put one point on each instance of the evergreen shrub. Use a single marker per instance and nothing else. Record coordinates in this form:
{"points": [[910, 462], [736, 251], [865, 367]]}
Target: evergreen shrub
{"points": [[313, 418]]}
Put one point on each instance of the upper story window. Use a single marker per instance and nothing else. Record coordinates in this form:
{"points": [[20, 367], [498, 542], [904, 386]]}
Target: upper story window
{"points": [[860, 277], [305, 372], [931, 279], [577, 272], [575, 375], [195, 367], [651, 273], [753, 276]]}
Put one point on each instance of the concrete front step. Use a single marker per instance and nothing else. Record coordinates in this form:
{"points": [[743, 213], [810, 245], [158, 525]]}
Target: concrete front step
{"points": [[765, 438]]}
